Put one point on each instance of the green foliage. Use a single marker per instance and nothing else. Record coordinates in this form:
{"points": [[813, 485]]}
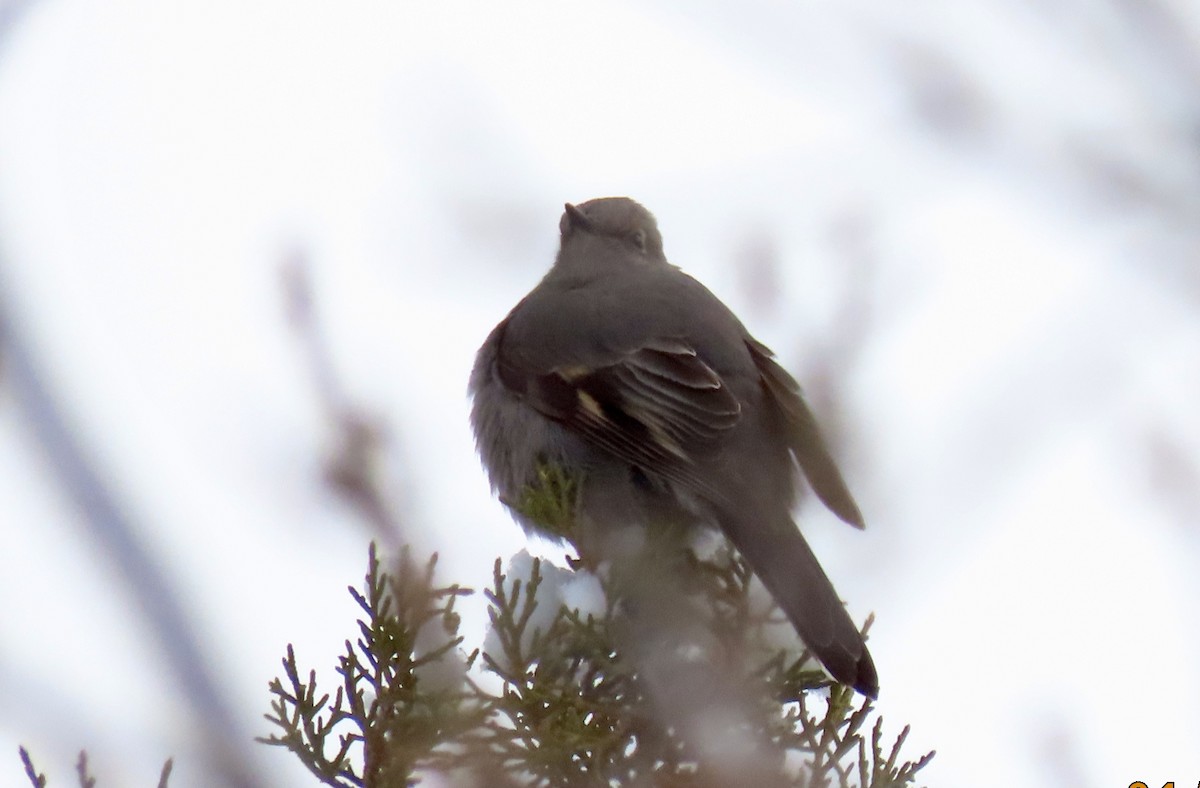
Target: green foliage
{"points": [[550, 501], [568, 710], [82, 771], [554, 704], [383, 723]]}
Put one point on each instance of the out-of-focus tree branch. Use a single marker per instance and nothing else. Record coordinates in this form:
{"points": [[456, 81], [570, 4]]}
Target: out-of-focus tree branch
{"points": [[106, 522]]}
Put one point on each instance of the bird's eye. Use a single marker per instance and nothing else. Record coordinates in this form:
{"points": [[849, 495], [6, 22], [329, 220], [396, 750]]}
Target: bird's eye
{"points": [[639, 239]]}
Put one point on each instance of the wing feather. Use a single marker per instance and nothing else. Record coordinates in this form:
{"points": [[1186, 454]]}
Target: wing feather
{"points": [[803, 436], [659, 407]]}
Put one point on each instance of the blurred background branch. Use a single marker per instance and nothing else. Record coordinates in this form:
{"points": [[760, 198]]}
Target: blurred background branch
{"points": [[105, 523]]}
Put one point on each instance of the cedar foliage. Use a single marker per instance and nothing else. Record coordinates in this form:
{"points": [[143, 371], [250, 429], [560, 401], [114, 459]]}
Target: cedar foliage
{"points": [[553, 704]]}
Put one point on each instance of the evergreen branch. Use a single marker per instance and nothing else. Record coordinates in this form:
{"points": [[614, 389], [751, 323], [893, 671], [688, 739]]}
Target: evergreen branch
{"points": [[552, 702]]}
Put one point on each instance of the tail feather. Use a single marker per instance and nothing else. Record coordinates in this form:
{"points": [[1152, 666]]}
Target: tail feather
{"points": [[783, 561]]}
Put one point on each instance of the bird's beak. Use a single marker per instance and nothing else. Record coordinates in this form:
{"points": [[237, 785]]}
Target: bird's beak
{"points": [[577, 217]]}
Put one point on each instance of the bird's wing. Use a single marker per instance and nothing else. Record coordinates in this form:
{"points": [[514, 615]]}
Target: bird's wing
{"points": [[659, 406], [803, 436]]}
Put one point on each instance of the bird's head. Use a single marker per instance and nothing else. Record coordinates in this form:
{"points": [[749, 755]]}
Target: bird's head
{"points": [[613, 226]]}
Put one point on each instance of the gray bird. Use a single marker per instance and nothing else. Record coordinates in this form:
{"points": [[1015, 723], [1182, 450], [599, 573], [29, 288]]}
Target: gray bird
{"points": [[633, 379]]}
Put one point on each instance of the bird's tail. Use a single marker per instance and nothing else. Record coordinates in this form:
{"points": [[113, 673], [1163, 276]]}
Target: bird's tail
{"points": [[782, 559]]}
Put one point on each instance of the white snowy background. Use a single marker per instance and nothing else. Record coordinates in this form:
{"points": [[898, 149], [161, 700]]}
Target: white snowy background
{"points": [[971, 229]]}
